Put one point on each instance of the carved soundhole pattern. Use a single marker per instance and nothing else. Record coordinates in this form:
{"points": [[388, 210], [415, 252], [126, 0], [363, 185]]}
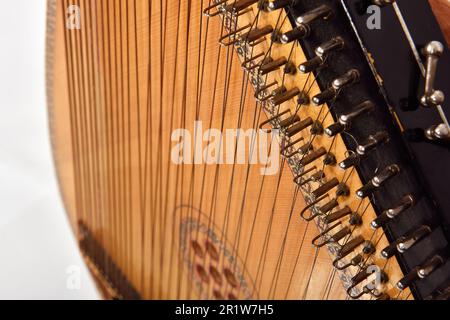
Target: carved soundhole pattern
{"points": [[215, 271]]}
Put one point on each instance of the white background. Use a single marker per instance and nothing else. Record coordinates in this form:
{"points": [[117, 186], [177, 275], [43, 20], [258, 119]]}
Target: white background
{"points": [[36, 245]]}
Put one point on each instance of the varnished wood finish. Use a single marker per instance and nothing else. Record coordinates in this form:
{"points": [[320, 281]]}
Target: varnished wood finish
{"points": [[117, 89]]}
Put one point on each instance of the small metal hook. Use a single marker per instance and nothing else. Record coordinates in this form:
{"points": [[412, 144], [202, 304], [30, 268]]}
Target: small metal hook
{"points": [[207, 11], [233, 34], [325, 233], [313, 215]]}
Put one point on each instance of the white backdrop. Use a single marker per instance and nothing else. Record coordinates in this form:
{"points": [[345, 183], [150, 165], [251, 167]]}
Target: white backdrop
{"points": [[37, 248]]}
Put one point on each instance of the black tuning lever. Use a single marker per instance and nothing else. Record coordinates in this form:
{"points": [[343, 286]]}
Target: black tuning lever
{"points": [[344, 122], [405, 203], [378, 181], [422, 271]]}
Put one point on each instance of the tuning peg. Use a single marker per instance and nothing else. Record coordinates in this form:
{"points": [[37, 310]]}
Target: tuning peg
{"points": [[297, 33], [363, 275], [351, 161], [328, 186], [421, 272], [303, 28], [313, 156], [330, 205], [318, 176], [286, 96], [348, 248], [439, 132], [345, 120], [329, 94], [407, 242], [406, 202], [322, 52], [272, 66], [378, 181], [373, 142], [279, 4], [257, 34], [321, 12], [232, 37], [300, 126], [432, 98], [355, 261], [239, 5], [346, 211]]}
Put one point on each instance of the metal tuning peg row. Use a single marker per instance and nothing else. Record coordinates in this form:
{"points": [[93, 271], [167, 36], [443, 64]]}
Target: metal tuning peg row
{"points": [[239, 5], [372, 143]]}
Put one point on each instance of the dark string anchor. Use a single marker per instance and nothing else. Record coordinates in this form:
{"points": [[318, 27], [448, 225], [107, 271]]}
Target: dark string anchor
{"points": [[421, 272], [280, 4], [257, 34], [378, 181]]}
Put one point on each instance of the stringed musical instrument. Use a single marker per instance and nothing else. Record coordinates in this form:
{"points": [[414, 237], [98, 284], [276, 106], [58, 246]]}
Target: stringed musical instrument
{"points": [[254, 149]]}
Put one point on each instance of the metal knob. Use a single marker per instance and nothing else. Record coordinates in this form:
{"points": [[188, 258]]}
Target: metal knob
{"points": [[432, 52]]}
